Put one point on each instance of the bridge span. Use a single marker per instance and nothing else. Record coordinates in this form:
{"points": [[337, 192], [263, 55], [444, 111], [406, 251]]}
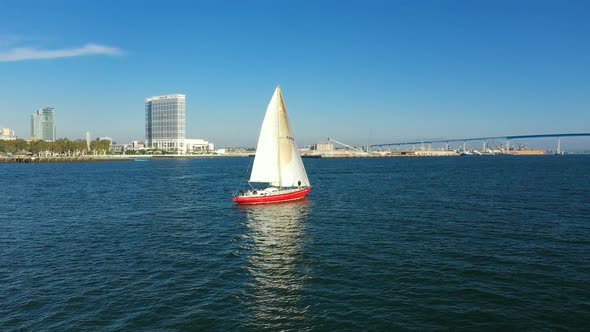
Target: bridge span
{"points": [[485, 139]]}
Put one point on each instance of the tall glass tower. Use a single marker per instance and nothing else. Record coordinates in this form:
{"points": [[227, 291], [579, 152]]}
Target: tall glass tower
{"points": [[43, 124], [165, 122]]}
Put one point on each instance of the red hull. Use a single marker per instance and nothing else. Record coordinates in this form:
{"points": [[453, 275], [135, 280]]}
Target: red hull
{"points": [[290, 196]]}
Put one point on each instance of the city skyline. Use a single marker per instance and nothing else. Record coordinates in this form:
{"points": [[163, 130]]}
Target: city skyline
{"points": [[362, 73]]}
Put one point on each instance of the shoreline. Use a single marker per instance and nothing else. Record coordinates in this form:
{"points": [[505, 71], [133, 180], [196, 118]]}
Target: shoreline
{"points": [[30, 160], [21, 159]]}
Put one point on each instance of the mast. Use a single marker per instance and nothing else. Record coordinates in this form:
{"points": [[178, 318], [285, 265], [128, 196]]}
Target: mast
{"points": [[280, 96]]}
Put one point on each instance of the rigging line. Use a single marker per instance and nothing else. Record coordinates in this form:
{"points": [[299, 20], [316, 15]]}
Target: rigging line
{"points": [[249, 168]]}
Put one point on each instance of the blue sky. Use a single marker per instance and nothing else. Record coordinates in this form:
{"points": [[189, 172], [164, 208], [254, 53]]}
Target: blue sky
{"points": [[356, 71]]}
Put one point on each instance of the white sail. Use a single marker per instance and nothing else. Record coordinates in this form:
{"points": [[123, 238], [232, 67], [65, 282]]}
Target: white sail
{"points": [[266, 164], [277, 159]]}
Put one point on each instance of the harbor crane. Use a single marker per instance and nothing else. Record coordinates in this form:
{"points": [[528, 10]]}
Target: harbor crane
{"points": [[345, 145]]}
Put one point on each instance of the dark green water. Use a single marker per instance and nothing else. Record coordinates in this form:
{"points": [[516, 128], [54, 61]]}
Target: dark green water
{"points": [[478, 243]]}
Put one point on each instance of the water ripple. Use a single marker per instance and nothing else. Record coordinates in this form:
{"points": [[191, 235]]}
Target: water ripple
{"points": [[381, 244]]}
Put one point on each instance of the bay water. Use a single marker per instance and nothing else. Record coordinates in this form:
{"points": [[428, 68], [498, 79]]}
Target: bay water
{"points": [[478, 243]]}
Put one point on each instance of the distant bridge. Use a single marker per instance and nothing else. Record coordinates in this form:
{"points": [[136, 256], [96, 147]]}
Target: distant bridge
{"points": [[484, 139]]}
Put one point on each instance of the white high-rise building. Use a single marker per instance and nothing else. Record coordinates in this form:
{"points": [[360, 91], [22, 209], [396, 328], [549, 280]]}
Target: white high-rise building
{"points": [[165, 122], [165, 126], [43, 124]]}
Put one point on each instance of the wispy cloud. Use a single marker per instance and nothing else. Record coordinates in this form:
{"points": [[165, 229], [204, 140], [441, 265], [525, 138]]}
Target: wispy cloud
{"points": [[20, 54]]}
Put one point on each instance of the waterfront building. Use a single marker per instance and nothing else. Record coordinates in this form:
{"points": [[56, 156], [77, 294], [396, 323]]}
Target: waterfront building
{"points": [[433, 153], [43, 124], [165, 122], [7, 134], [165, 126], [137, 145], [323, 146], [119, 148], [198, 146]]}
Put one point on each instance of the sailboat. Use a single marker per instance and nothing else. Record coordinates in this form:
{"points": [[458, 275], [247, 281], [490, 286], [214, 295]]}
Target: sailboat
{"points": [[277, 162]]}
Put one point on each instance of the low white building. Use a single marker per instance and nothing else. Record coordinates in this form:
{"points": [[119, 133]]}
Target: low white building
{"points": [[435, 153], [137, 145], [192, 146], [7, 134], [322, 146], [119, 148]]}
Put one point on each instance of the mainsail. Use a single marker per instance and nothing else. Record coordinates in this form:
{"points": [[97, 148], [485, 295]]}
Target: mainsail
{"points": [[277, 159]]}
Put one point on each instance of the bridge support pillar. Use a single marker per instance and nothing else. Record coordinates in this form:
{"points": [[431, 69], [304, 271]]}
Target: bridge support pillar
{"points": [[558, 145]]}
